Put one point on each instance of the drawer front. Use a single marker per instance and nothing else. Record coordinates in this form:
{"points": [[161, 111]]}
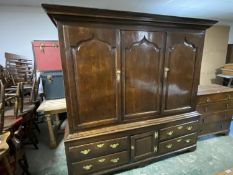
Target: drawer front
{"points": [[215, 127], [96, 164], [96, 149], [212, 107], [177, 143], [213, 98], [178, 130], [216, 117]]}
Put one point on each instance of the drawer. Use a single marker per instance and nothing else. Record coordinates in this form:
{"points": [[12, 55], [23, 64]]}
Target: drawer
{"points": [[212, 107], [96, 149], [216, 117], [177, 143], [96, 164], [215, 127], [178, 130], [213, 98]]}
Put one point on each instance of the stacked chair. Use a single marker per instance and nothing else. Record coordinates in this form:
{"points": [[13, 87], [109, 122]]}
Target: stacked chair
{"points": [[19, 90]]}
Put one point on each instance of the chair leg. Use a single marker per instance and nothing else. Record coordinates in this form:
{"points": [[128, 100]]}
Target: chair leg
{"points": [[33, 141], [23, 163], [36, 126]]}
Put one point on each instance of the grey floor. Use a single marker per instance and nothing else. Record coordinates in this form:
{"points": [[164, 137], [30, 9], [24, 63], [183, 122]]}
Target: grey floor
{"points": [[213, 154]]}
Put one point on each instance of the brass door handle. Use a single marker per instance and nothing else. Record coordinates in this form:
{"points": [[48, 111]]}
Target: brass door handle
{"points": [[118, 75], [166, 69]]}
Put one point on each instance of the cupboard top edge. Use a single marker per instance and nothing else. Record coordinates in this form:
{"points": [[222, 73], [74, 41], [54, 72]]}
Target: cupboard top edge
{"points": [[71, 13]]}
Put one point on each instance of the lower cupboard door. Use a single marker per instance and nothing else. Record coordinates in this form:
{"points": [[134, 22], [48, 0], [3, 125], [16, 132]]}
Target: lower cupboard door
{"points": [[144, 145]]}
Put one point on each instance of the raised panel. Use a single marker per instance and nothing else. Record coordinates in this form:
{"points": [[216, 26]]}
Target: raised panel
{"points": [[180, 77], [144, 145], [142, 54], [93, 52]]}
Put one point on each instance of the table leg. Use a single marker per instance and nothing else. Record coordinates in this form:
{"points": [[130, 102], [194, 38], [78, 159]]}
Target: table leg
{"points": [[7, 165], [52, 137]]}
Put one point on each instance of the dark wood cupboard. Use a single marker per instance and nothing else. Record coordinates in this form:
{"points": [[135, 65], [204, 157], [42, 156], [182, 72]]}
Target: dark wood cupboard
{"points": [[215, 103], [131, 81]]}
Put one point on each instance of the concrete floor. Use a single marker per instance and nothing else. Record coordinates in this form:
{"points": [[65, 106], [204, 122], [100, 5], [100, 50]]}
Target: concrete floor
{"points": [[213, 154]]}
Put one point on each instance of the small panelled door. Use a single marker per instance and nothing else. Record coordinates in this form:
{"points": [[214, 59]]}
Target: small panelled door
{"points": [[142, 55], [182, 52], [93, 56]]}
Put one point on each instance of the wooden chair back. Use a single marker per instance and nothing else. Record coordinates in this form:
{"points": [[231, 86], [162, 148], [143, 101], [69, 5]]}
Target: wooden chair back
{"points": [[20, 67], [34, 91]]}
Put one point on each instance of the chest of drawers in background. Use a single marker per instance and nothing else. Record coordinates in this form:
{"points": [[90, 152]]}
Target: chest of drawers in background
{"points": [[215, 103]]}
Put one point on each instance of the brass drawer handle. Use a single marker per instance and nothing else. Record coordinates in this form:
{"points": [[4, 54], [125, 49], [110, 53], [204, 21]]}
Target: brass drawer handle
{"points": [[189, 128], [115, 145], [100, 145], [87, 167], [180, 127], [101, 160], [169, 146], [115, 160], [188, 140], [170, 133], [86, 151], [179, 140], [155, 148], [156, 135]]}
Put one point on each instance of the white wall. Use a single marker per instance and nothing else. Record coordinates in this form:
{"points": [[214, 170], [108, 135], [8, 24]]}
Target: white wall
{"points": [[19, 26], [231, 35], [214, 54]]}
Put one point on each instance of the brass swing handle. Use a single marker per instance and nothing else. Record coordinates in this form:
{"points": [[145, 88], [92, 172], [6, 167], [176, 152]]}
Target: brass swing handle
{"points": [[166, 69], [118, 75]]}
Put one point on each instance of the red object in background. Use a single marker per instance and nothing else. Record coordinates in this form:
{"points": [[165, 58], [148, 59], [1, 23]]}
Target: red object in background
{"points": [[47, 55]]}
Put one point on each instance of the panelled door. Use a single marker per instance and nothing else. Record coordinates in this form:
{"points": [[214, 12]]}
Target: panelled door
{"points": [[180, 78], [142, 59], [92, 66], [144, 145]]}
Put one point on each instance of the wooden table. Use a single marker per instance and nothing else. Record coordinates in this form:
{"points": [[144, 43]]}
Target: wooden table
{"points": [[50, 108]]}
